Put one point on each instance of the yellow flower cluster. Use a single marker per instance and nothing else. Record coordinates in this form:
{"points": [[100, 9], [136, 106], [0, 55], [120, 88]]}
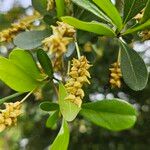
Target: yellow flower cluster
{"points": [[115, 79], [78, 76], [57, 43], [8, 116], [139, 16], [50, 5], [38, 94], [145, 35], [88, 47], [68, 1], [8, 34], [64, 29]]}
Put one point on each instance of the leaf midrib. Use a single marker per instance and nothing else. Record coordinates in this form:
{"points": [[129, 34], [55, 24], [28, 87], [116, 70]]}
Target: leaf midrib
{"points": [[129, 11], [108, 112], [132, 68]]}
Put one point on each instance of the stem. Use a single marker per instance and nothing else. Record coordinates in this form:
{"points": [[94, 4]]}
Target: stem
{"points": [[9, 97], [63, 71], [77, 49], [27, 96], [56, 79], [54, 88], [69, 64], [121, 39], [119, 55]]}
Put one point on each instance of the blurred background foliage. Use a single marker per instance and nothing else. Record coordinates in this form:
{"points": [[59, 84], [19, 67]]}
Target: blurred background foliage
{"points": [[31, 133]]}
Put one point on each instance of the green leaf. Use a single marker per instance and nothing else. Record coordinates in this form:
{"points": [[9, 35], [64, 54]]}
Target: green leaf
{"points": [[146, 15], [48, 106], [45, 62], [133, 68], [30, 39], [52, 119], [62, 140], [138, 27], [113, 114], [86, 4], [68, 109], [111, 11], [95, 27], [24, 60], [60, 7], [40, 6], [15, 77], [131, 8]]}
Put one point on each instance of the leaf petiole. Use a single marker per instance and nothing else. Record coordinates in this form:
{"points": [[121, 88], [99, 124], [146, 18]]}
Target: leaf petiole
{"points": [[2, 100]]}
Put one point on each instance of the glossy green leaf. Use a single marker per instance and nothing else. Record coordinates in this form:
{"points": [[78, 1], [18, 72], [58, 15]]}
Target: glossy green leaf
{"points": [[86, 4], [68, 109], [133, 68], [95, 27], [30, 39], [111, 11], [15, 77], [138, 27], [25, 61], [45, 62], [62, 140], [132, 7], [146, 15], [52, 119], [60, 7], [113, 114], [40, 6], [49, 106]]}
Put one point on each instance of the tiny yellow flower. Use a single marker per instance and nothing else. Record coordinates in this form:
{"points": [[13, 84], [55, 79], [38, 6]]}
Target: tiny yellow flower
{"points": [[8, 116], [50, 4], [8, 34], [115, 76], [139, 16], [145, 35], [88, 47], [78, 76], [57, 43], [63, 29]]}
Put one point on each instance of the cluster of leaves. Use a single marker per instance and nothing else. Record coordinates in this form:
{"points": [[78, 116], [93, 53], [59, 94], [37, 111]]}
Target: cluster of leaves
{"points": [[112, 114]]}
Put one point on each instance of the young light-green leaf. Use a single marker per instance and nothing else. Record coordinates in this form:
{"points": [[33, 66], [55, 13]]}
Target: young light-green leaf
{"points": [[113, 114], [131, 8], [95, 27], [30, 39], [15, 77], [45, 62], [25, 61], [86, 4], [49, 106], [138, 27], [52, 119], [68, 109], [111, 11], [62, 140], [60, 7], [133, 68], [146, 15]]}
